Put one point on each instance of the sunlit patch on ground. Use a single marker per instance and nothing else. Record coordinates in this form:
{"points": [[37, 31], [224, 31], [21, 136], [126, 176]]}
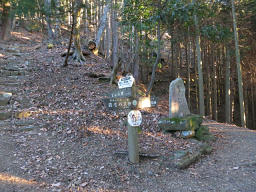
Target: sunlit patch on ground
{"points": [[26, 114], [2, 55], [98, 130], [20, 35], [15, 180], [26, 36]]}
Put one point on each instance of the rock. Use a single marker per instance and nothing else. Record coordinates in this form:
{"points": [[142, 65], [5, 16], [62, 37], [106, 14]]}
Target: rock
{"points": [[188, 123], [4, 124], [203, 134], [4, 115], [11, 68], [13, 50], [10, 84], [11, 73], [183, 159], [24, 122], [178, 106], [5, 98], [187, 134]]}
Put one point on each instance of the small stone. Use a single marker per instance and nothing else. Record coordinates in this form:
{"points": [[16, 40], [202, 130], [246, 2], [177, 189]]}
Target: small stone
{"points": [[5, 97], [4, 115], [56, 184], [84, 184]]}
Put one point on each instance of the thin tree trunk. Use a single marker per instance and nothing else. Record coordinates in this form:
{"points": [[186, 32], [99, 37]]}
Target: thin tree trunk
{"points": [[188, 59], [102, 24], [136, 66], [115, 45], [47, 9], [227, 86], [200, 67], [70, 39], [157, 59], [208, 93], [108, 39], [253, 88], [86, 18], [58, 23], [215, 97], [239, 68], [196, 81], [232, 93], [78, 55]]}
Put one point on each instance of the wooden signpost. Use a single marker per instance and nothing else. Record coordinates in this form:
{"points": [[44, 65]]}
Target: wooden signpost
{"points": [[126, 97], [134, 121]]}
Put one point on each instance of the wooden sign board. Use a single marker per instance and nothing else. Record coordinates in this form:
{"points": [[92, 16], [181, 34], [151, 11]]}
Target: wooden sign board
{"points": [[121, 93], [126, 81], [120, 103], [130, 103]]}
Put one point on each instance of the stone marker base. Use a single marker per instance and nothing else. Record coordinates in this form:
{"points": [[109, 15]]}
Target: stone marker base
{"points": [[186, 127]]}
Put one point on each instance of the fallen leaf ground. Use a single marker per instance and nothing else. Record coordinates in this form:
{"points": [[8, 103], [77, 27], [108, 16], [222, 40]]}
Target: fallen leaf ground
{"points": [[66, 139]]}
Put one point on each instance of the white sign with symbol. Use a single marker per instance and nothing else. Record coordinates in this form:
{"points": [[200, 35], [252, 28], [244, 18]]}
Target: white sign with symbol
{"points": [[126, 81], [134, 118]]}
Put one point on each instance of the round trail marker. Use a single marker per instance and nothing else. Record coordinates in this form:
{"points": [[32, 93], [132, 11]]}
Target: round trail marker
{"points": [[134, 118]]}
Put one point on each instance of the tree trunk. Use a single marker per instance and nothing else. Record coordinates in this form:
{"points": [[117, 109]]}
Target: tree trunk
{"points": [[209, 91], [6, 21], [78, 12], [136, 66], [239, 68], [253, 88], [115, 45], [47, 10], [188, 59], [215, 97], [71, 37], [227, 86], [200, 67], [102, 24], [157, 59], [58, 22]]}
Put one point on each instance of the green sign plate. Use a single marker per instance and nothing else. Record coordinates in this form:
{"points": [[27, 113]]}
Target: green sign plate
{"points": [[121, 93], [130, 103]]}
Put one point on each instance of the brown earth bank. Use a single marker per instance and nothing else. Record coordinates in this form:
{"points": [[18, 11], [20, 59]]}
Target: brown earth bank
{"points": [[61, 137]]}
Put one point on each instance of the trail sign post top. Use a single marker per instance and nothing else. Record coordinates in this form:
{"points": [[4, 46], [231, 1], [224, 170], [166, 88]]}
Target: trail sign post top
{"points": [[121, 93], [134, 118], [126, 81]]}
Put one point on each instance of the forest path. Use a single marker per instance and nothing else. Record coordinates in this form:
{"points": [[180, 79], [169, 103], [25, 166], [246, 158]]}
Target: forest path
{"points": [[66, 140]]}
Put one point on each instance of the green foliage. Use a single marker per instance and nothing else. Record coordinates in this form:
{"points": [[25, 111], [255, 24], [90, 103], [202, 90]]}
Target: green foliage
{"points": [[159, 65], [26, 7], [216, 33]]}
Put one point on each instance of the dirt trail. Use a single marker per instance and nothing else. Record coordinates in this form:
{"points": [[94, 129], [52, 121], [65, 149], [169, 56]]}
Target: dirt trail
{"points": [[65, 140], [231, 167]]}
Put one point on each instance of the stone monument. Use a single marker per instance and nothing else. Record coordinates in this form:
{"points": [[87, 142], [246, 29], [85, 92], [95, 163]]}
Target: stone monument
{"points": [[178, 106]]}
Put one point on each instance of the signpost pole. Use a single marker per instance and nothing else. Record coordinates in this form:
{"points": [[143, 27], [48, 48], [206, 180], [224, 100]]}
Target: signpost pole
{"points": [[133, 149], [128, 97]]}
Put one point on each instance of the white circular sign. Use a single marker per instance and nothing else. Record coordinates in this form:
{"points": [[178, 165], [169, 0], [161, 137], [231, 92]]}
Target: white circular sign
{"points": [[134, 118], [126, 81]]}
